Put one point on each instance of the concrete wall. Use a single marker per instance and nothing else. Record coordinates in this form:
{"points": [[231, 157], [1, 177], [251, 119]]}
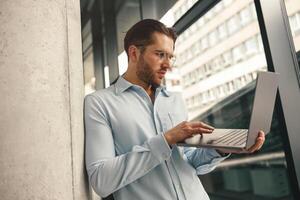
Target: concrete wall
{"points": [[41, 88]]}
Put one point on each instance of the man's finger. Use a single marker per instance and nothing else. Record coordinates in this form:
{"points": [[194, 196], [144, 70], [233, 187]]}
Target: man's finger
{"points": [[201, 131], [205, 130], [256, 146], [201, 124], [259, 142]]}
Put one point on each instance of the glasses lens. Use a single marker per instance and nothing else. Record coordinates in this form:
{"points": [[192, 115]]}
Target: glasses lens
{"points": [[165, 56], [172, 61], [162, 55]]}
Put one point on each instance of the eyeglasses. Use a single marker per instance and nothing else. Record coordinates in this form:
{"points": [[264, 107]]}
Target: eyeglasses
{"points": [[165, 56]]}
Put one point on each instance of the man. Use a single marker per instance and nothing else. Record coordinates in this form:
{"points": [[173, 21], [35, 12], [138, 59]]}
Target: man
{"points": [[133, 126]]}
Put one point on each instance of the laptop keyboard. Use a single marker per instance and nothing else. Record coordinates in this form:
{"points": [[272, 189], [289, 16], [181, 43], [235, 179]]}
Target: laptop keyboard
{"points": [[233, 137]]}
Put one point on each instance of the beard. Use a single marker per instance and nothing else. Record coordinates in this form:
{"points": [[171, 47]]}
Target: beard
{"points": [[145, 73]]}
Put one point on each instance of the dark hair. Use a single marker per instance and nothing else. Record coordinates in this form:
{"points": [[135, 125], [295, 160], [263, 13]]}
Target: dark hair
{"points": [[140, 34]]}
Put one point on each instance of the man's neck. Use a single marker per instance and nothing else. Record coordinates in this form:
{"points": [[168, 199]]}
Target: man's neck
{"points": [[150, 90]]}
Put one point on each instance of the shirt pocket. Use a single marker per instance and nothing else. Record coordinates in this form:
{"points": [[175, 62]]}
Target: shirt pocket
{"points": [[170, 120]]}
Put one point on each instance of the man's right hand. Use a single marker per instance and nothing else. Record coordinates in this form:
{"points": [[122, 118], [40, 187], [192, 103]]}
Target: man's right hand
{"points": [[186, 130]]}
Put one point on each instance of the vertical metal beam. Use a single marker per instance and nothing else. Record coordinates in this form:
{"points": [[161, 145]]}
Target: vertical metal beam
{"points": [[141, 9], [280, 55], [110, 39], [98, 44]]}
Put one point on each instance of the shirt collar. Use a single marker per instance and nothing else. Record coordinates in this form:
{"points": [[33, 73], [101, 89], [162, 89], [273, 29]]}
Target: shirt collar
{"points": [[121, 85], [164, 90]]}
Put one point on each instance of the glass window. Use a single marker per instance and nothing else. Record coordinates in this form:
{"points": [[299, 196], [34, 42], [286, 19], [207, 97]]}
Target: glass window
{"points": [[222, 31], [220, 91], [227, 58], [238, 53], [245, 16], [217, 63], [260, 44], [295, 23], [198, 47], [293, 11], [89, 74], [88, 59], [253, 10], [204, 43], [251, 46], [201, 73], [189, 55], [233, 24], [213, 38], [193, 50]]}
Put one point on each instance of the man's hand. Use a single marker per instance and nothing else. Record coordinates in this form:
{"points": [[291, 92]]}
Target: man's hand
{"points": [[258, 144], [186, 130]]}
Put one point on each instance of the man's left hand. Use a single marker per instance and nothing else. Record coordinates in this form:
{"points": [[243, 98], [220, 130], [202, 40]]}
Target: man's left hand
{"points": [[258, 144]]}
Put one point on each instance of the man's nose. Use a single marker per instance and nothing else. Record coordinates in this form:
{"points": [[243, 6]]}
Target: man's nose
{"points": [[167, 64]]}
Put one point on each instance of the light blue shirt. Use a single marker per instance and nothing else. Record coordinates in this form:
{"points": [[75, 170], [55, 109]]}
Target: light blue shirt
{"points": [[127, 153]]}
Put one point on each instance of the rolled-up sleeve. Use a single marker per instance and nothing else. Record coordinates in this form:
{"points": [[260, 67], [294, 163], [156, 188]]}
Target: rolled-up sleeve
{"points": [[108, 172]]}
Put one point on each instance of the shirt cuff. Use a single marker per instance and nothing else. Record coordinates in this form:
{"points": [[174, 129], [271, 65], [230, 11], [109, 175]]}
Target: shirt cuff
{"points": [[217, 158], [219, 155], [159, 147]]}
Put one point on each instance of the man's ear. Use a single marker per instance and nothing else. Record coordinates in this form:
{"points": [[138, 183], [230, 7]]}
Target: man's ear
{"points": [[134, 53]]}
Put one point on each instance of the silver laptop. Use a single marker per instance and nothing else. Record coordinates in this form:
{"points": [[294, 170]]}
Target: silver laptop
{"points": [[261, 118]]}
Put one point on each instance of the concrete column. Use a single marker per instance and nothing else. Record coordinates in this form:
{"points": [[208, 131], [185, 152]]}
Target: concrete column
{"points": [[41, 87]]}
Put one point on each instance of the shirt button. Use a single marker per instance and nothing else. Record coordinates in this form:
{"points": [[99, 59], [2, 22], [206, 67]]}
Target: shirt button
{"points": [[165, 155]]}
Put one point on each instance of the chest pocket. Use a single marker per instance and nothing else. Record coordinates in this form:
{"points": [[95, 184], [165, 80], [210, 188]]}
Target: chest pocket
{"points": [[170, 120]]}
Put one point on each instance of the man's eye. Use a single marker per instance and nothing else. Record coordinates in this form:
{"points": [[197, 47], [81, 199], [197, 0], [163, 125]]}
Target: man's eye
{"points": [[160, 54]]}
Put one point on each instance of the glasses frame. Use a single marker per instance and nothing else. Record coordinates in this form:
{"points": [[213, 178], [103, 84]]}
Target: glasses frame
{"points": [[162, 55]]}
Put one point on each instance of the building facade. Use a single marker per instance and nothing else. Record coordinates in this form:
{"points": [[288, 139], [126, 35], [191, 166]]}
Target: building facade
{"points": [[221, 52]]}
